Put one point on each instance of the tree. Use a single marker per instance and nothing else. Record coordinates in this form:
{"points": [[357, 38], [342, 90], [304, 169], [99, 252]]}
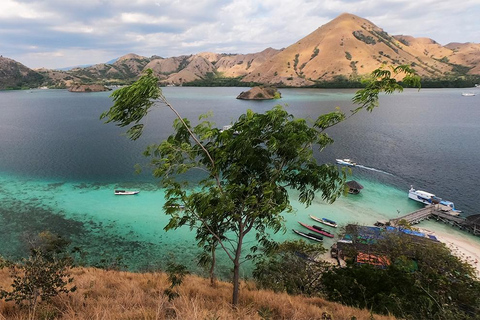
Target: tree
{"points": [[293, 266], [247, 169], [43, 275], [423, 281]]}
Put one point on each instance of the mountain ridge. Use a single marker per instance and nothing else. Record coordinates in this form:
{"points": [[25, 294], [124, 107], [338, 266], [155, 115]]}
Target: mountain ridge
{"points": [[347, 48]]}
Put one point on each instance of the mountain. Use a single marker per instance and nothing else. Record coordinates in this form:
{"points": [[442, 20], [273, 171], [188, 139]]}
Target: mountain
{"points": [[350, 46], [14, 75], [345, 49]]}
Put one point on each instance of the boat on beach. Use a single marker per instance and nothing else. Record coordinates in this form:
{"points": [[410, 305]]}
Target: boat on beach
{"points": [[325, 221], [125, 192], [346, 162], [317, 229], [309, 235]]}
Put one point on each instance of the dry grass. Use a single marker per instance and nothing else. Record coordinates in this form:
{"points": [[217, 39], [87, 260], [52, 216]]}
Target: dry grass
{"points": [[116, 295]]}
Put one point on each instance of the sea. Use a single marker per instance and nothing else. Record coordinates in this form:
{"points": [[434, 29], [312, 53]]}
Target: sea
{"points": [[59, 166]]}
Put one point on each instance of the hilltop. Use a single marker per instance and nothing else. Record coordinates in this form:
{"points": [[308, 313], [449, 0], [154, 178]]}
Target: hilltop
{"points": [[14, 75], [343, 50]]}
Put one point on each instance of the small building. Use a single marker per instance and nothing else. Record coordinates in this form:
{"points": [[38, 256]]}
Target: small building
{"points": [[353, 187]]}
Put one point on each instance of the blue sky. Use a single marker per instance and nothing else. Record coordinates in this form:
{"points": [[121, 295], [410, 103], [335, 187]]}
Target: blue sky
{"points": [[61, 33]]}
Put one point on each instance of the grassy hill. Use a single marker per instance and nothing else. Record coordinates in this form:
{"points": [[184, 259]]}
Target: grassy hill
{"points": [[115, 295]]}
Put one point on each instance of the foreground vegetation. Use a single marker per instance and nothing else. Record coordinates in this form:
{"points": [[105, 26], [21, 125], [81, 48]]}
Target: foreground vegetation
{"points": [[103, 294]]}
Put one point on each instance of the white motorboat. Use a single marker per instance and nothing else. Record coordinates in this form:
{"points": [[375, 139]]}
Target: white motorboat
{"points": [[125, 192], [346, 162], [325, 221], [468, 94], [429, 198]]}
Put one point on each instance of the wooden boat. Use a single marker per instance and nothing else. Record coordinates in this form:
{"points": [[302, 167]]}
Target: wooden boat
{"points": [[125, 192], [317, 229], [325, 221], [309, 235]]}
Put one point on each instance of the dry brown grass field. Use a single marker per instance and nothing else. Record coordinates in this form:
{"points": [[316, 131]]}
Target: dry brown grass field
{"points": [[110, 295]]}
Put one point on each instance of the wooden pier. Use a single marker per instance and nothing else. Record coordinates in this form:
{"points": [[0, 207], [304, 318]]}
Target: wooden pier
{"points": [[433, 211]]}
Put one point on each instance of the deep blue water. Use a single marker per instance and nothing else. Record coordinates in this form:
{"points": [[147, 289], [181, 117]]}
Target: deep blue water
{"points": [[58, 160]]}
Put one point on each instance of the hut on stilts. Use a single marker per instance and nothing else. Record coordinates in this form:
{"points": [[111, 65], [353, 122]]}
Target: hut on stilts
{"points": [[353, 187]]}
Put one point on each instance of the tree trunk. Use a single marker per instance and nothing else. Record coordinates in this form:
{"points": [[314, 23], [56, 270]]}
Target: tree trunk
{"points": [[212, 267], [236, 269], [236, 282]]}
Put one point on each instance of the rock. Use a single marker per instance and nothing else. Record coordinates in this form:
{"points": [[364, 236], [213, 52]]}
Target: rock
{"points": [[260, 93], [88, 88]]}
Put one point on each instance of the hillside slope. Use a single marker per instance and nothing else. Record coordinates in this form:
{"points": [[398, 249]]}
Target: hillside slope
{"points": [[115, 295], [14, 75]]}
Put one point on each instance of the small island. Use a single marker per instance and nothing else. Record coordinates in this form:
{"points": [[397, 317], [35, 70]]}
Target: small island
{"points": [[260, 93], [88, 88]]}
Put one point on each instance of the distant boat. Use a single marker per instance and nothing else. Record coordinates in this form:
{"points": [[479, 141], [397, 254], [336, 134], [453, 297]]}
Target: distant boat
{"points": [[325, 221], [346, 162], [309, 235], [125, 192], [468, 94], [228, 127], [317, 229]]}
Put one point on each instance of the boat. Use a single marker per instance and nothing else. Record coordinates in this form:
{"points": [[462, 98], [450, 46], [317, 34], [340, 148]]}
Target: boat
{"points": [[468, 94], [428, 198], [125, 192], [228, 127], [346, 162], [325, 221], [309, 235], [316, 229]]}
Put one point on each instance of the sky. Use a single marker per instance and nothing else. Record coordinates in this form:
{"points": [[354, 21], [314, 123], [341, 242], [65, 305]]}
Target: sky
{"points": [[64, 33]]}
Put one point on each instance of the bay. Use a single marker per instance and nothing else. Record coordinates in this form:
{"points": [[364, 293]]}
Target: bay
{"points": [[59, 165]]}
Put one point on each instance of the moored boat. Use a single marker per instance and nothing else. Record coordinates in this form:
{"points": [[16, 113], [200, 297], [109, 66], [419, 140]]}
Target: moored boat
{"points": [[346, 162], [125, 192], [325, 221], [317, 229], [468, 94], [430, 199], [309, 235]]}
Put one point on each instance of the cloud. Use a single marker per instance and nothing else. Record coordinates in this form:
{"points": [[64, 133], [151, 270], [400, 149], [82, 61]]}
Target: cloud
{"points": [[31, 30]]}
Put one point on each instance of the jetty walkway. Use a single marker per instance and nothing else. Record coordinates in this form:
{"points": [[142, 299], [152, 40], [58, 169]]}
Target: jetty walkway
{"points": [[434, 211]]}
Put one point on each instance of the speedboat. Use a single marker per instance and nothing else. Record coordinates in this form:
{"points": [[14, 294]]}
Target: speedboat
{"points": [[468, 94], [125, 192], [309, 235], [346, 162], [429, 198], [325, 221]]}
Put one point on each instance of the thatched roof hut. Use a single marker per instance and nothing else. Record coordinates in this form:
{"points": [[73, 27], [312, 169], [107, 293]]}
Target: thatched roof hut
{"points": [[354, 187]]}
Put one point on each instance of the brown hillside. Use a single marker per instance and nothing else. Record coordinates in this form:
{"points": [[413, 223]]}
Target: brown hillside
{"points": [[162, 67], [113, 295], [15, 75], [241, 64], [347, 46], [467, 54], [197, 68]]}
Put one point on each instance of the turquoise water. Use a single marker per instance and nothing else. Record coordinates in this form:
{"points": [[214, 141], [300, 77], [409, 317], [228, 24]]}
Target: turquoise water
{"points": [[59, 166]]}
